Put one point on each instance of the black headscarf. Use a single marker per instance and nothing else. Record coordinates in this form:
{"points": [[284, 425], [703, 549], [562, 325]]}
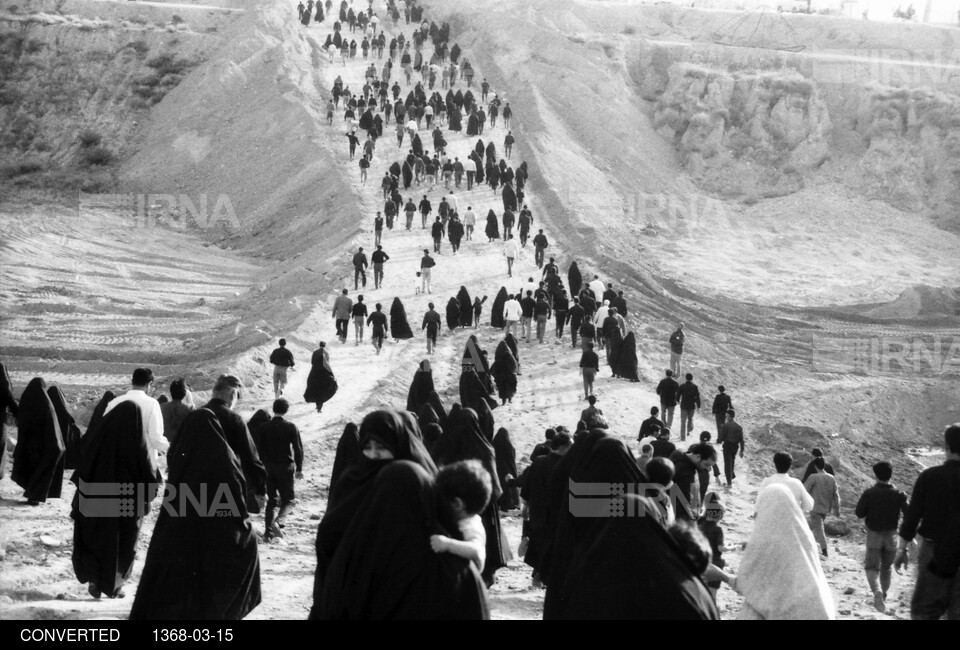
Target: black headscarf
{"points": [[594, 458], [349, 451], [114, 450], [420, 387], [496, 312], [473, 391], [385, 568], [7, 401], [453, 313], [397, 431], [574, 279], [199, 566], [321, 384], [69, 430], [509, 198], [506, 456], [466, 307], [260, 418], [493, 226], [433, 399], [613, 359], [504, 370], [38, 457], [627, 361], [100, 408], [399, 327], [631, 568]]}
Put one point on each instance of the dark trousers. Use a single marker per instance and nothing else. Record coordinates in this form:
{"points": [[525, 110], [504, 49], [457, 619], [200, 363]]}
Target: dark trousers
{"points": [[721, 418], [538, 257], [574, 329], [933, 596], [279, 492], [342, 328], [470, 176], [730, 450], [359, 273]]}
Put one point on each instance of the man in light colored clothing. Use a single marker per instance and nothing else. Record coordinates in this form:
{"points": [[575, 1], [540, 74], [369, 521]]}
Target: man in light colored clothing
{"points": [[342, 307], [142, 384], [783, 461], [596, 286], [511, 250], [469, 222], [826, 499], [511, 314]]}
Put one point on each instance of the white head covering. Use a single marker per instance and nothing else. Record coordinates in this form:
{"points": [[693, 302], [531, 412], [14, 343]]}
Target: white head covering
{"points": [[780, 575]]}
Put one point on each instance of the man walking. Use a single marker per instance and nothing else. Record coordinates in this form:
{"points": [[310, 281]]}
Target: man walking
{"points": [[426, 265], [576, 319], [731, 439], [469, 222], [527, 307], [281, 451], [431, 323], [826, 499], [667, 390], [689, 395], [540, 244], [510, 251], [508, 144], [934, 514], [359, 314], [782, 462], [359, 269], [880, 506], [676, 349], [425, 209], [437, 231], [378, 258], [541, 312], [512, 313], [379, 321], [281, 358], [377, 230], [721, 406], [342, 308]]}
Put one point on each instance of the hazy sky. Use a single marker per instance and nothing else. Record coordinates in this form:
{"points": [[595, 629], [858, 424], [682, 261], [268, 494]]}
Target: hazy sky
{"points": [[942, 11]]}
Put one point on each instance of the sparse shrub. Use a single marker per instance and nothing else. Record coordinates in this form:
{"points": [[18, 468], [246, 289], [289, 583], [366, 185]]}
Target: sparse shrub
{"points": [[21, 168], [85, 27], [9, 96], [97, 156], [176, 20], [33, 46], [168, 64], [138, 21], [14, 9], [140, 47], [629, 30], [577, 39], [89, 138]]}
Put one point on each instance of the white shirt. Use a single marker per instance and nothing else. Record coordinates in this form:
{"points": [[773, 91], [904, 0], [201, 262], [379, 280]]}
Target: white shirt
{"points": [[602, 313], [511, 310], [412, 125], [597, 288], [469, 218], [452, 200], [151, 414], [804, 500], [511, 248]]}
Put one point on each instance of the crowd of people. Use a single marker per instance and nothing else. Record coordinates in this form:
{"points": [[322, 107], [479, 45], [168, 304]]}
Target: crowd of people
{"points": [[412, 526]]}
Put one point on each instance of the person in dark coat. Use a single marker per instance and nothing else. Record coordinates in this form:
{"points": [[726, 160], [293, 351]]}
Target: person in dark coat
{"points": [[463, 439], [491, 152], [7, 401], [506, 456], [574, 279], [321, 384], [627, 360], [466, 307], [201, 565], [473, 390], [496, 312], [260, 418], [224, 397], [114, 450], [38, 456], [385, 567], [436, 404], [614, 345], [454, 119], [631, 568], [504, 370], [348, 454], [473, 124], [100, 409], [69, 430], [399, 327], [509, 197], [474, 355], [420, 387], [535, 491], [386, 436], [493, 226], [453, 314]]}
